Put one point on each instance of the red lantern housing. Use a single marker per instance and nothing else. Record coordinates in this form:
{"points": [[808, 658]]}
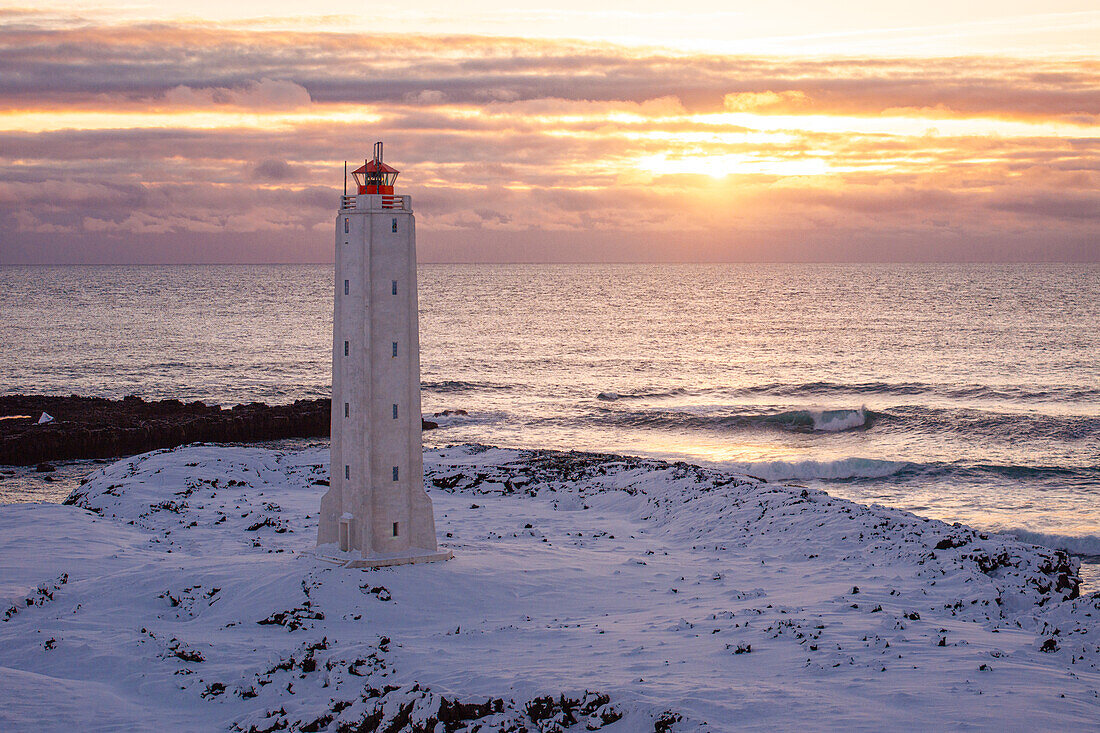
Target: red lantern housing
{"points": [[374, 176]]}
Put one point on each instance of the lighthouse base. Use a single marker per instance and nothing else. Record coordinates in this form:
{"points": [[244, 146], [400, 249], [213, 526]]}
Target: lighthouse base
{"points": [[329, 553]]}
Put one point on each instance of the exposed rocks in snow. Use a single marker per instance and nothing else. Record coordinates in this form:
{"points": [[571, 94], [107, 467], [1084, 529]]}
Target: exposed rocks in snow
{"points": [[415, 709], [297, 617], [739, 510], [42, 594], [688, 597]]}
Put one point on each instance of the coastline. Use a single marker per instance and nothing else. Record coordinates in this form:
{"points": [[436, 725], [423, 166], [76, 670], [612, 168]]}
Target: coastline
{"points": [[623, 590], [19, 484], [95, 427]]}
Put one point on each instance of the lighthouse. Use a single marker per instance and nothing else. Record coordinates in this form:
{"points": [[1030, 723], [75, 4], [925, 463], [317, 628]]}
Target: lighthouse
{"points": [[376, 511]]}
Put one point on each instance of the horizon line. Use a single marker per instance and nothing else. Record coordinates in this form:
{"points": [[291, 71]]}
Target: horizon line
{"points": [[569, 262]]}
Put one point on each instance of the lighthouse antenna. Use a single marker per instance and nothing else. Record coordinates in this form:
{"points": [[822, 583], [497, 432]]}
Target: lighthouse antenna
{"points": [[345, 178], [378, 152]]}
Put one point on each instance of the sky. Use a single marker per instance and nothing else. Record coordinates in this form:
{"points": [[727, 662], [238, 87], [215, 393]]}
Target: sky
{"points": [[565, 132]]}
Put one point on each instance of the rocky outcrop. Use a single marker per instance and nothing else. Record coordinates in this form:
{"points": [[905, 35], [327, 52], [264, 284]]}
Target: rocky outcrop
{"points": [[90, 427]]}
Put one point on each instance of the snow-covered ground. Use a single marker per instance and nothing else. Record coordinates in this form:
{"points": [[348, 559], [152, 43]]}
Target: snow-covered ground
{"points": [[178, 593]]}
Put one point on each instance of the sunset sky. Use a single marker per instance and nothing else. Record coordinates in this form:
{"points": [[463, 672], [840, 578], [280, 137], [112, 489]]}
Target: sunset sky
{"points": [[789, 131]]}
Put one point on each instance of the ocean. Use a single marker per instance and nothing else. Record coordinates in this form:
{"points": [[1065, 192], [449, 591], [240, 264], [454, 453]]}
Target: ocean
{"points": [[967, 393]]}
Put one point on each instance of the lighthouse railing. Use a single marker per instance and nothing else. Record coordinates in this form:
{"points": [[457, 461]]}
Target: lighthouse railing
{"points": [[374, 201]]}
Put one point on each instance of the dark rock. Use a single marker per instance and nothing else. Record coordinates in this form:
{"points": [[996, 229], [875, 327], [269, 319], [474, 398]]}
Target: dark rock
{"points": [[213, 690], [447, 482], [91, 427], [188, 655], [664, 722], [293, 619], [452, 712]]}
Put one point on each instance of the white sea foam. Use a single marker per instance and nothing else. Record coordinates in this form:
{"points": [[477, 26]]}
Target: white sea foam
{"points": [[833, 421], [1088, 544], [844, 468]]}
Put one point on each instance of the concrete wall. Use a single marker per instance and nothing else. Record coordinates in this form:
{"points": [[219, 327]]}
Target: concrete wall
{"points": [[369, 441]]}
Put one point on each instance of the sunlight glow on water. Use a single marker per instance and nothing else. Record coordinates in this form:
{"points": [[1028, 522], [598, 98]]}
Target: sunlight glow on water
{"points": [[979, 385]]}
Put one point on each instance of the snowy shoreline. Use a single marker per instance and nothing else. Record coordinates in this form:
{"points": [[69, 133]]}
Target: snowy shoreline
{"points": [[619, 593]]}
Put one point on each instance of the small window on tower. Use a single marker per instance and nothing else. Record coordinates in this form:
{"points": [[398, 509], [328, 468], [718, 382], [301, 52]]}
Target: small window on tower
{"points": [[393, 287], [395, 411], [347, 287], [395, 473], [347, 410], [347, 472], [395, 223], [346, 347], [346, 227], [395, 528], [395, 349]]}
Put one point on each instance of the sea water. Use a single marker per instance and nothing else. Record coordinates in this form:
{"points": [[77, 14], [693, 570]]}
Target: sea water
{"points": [[967, 393]]}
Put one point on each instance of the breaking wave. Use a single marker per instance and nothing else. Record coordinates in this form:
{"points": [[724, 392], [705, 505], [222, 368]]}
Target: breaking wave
{"points": [[1085, 545], [998, 426], [818, 389], [615, 396], [454, 386], [830, 421], [841, 469], [855, 469], [1005, 426]]}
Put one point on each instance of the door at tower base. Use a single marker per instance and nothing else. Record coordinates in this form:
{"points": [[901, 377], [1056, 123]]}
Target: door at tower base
{"points": [[376, 511]]}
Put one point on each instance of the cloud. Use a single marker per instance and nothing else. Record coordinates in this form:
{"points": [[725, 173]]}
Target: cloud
{"points": [[426, 96], [210, 66], [173, 134], [265, 94], [274, 170], [25, 221], [1057, 205], [789, 101]]}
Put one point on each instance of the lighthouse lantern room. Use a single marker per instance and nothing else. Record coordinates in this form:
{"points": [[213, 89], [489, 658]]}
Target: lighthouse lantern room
{"points": [[374, 176], [376, 511]]}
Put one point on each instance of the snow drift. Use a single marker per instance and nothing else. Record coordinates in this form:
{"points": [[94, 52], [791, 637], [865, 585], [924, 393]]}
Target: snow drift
{"points": [[587, 592]]}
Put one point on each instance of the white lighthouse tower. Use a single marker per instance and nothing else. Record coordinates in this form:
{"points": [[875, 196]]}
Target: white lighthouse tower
{"points": [[376, 511]]}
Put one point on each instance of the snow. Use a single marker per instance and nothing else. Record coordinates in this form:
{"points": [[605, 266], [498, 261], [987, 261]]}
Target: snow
{"points": [[179, 591]]}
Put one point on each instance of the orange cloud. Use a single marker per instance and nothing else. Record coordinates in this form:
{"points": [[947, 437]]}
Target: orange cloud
{"points": [[163, 133]]}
